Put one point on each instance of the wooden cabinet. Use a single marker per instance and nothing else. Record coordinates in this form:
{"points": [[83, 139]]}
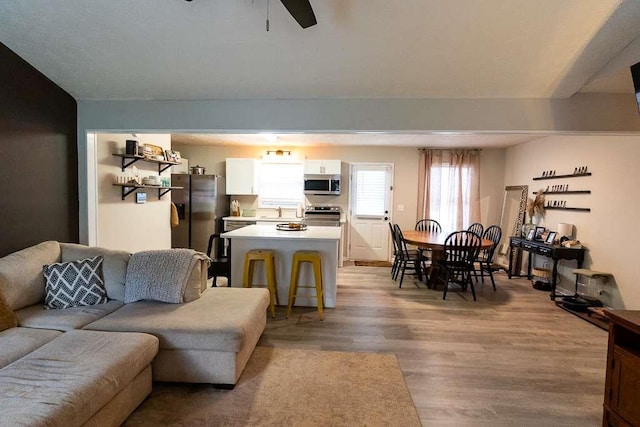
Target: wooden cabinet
{"points": [[622, 386], [242, 177], [322, 167]]}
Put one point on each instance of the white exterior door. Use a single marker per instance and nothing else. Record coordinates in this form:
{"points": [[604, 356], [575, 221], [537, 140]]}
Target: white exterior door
{"points": [[370, 211]]}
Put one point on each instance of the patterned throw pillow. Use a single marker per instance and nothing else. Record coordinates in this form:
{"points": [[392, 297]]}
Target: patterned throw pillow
{"points": [[74, 283]]}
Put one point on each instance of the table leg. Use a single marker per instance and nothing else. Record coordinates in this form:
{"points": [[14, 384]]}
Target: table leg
{"points": [[554, 275], [437, 256], [509, 272]]}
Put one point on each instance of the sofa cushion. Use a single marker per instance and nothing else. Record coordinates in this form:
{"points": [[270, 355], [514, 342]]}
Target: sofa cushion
{"points": [[197, 281], [114, 266], [66, 381], [21, 279], [219, 320], [67, 319], [18, 342], [7, 318], [74, 283]]}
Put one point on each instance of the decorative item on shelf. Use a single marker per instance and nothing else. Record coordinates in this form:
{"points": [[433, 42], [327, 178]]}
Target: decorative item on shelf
{"points": [[580, 170], [565, 231], [136, 176], [153, 152], [131, 147], [152, 180], [172, 155]]}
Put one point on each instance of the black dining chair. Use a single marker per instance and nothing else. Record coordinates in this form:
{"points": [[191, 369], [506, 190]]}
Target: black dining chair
{"points": [[220, 262], [409, 260], [477, 228], [396, 255], [428, 225], [485, 258], [461, 250], [432, 226]]}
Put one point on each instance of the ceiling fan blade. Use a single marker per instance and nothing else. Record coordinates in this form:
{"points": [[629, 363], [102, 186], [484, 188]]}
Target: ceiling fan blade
{"points": [[301, 11]]}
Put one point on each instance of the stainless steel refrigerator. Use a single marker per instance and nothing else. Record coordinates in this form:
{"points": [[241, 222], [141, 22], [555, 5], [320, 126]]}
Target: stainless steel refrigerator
{"points": [[201, 205]]}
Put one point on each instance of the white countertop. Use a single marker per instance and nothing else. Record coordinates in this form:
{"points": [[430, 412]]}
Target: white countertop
{"points": [[270, 232], [261, 218], [343, 219]]}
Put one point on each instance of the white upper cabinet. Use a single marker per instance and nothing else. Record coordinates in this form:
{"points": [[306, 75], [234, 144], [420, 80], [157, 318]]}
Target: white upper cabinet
{"points": [[322, 167], [242, 177]]}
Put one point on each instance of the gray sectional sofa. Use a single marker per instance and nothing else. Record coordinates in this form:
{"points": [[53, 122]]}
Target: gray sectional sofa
{"points": [[94, 364]]}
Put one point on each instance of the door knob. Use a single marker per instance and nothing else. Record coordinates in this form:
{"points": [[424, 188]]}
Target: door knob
{"points": [[386, 218]]}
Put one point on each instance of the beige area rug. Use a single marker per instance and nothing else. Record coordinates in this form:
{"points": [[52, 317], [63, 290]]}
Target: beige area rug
{"points": [[287, 387]]}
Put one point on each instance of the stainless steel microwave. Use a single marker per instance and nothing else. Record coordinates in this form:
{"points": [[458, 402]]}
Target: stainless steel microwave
{"points": [[322, 184]]}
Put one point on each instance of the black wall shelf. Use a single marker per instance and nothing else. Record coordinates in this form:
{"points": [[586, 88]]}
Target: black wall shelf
{"points": [[573, 175], [129, 159], [130, 188], [556, 208], [566, 192]]}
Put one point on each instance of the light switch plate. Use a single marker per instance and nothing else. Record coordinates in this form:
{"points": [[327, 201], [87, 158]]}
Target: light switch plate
{"points": [[400, 208]]}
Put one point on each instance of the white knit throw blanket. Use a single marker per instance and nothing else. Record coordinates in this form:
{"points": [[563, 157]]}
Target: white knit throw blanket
{"points": [[159, 275]]}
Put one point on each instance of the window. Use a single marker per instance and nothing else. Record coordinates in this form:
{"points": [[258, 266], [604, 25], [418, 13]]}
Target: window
{"points": [[452, 201], [370, 193], [281, 185]]}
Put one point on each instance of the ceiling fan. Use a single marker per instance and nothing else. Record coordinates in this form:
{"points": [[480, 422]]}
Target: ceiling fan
{"points": [[301, 11]]}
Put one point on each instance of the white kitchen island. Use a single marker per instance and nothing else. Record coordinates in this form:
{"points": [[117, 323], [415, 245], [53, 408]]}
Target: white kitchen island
{"points": [[284, 243]]}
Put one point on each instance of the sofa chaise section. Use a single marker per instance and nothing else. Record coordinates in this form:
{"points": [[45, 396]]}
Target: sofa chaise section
{"points": [[18, 342], [208, 340], [81, 377]]}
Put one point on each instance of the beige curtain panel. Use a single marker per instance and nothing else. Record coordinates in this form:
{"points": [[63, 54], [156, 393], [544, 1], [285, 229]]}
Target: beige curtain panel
{"points": [[449, 187]]}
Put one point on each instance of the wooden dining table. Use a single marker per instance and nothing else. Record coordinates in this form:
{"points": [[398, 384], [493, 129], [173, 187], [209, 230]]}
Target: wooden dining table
{"points": [[435, 242]]}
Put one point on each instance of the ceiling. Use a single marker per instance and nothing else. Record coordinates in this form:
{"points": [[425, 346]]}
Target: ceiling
{"points": [[220, 49]]}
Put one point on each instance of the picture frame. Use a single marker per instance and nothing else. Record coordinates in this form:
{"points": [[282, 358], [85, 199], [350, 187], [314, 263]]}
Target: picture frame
{"points": [[531, 234], [551, 237], [172, 155], [538, 233]]}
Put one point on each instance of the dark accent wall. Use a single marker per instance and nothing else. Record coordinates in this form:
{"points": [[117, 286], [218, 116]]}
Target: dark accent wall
{"points": [[38, 157]]}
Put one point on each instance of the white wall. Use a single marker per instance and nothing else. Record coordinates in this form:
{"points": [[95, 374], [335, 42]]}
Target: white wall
{"points": [[581, 112], [608, 231], [123, 224], [405, 160]]}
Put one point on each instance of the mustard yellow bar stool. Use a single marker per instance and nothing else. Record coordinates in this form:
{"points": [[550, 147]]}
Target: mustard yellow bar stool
{"points": [[314, 258], [250, 259]]}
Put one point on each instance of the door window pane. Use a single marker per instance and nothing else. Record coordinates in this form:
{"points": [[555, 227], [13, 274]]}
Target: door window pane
{"points": [[370, 193]]}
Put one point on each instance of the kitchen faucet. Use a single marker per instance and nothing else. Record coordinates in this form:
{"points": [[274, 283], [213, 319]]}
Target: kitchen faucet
{"points": [[279, 209]]}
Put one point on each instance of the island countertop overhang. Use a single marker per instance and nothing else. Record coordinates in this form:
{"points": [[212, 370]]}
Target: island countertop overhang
{"points": [[269, 231]]}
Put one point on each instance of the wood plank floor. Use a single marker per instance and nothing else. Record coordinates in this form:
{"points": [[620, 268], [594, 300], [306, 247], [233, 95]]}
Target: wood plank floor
{"points": [[512, 358]]}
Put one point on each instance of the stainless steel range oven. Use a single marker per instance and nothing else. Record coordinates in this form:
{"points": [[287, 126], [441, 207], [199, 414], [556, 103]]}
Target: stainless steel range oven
{"points": [[323, 215]]}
